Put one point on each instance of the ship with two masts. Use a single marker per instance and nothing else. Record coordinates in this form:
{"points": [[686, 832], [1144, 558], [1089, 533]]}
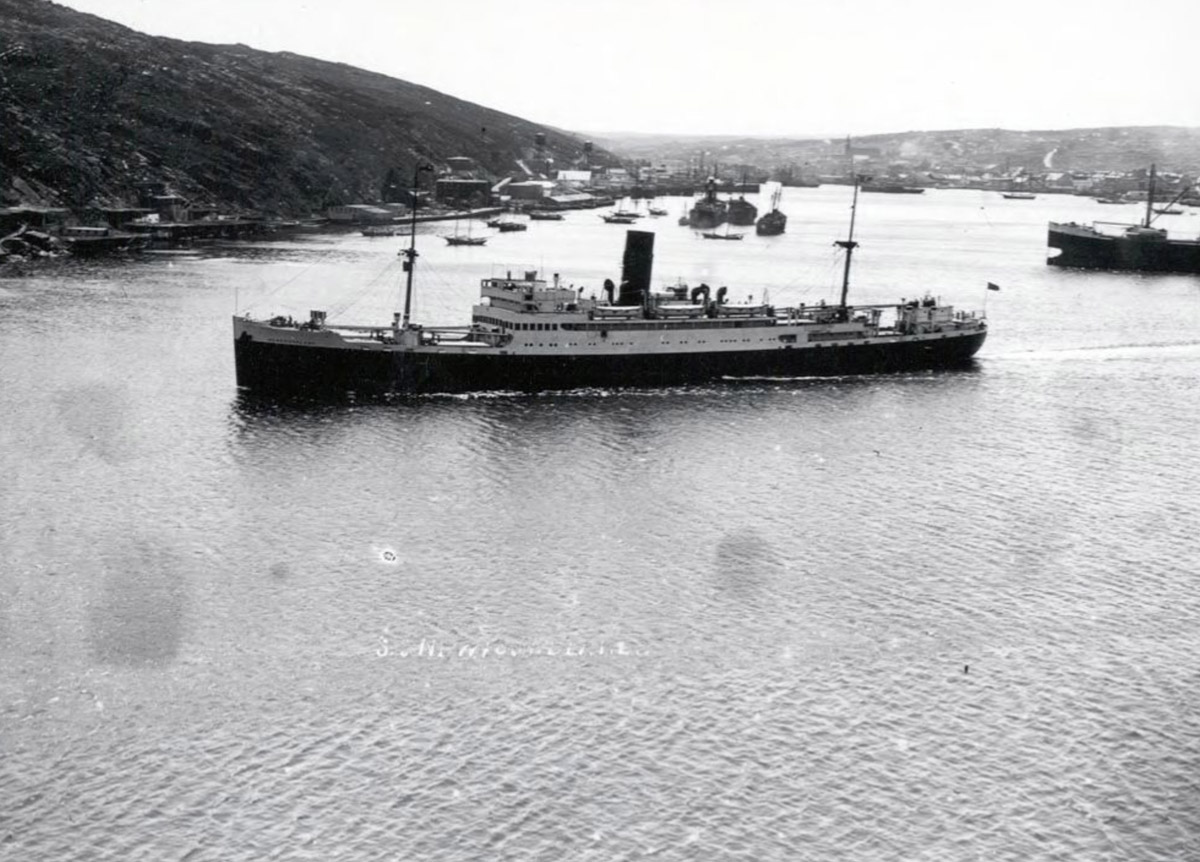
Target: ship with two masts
{"points": [[529, 334], [1141, 247], [774, 222]]}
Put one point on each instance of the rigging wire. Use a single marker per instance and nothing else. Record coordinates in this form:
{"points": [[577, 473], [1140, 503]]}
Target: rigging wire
{"points": [[814, 277], [303, 271], [358, 296]]}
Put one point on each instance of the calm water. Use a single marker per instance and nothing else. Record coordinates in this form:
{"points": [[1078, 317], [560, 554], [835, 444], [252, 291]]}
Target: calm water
{"points": [[930, 617]]}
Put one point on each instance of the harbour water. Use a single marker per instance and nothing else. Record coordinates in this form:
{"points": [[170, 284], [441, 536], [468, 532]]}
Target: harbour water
{"points": [[927, 617]]}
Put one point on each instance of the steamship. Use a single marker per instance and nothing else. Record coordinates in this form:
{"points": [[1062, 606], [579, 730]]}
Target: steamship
{"points": [[1139, 247], [710, 211], [529, 334]]}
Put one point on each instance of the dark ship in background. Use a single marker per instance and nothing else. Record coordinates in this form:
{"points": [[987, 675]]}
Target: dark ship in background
{"points": [[710, 211], [1140, 247], [774, 222], [742, 212], [892, 188]]}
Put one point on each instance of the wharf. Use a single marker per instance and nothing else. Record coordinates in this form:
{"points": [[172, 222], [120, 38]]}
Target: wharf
{"points": [[450, 216], [174, 233]]}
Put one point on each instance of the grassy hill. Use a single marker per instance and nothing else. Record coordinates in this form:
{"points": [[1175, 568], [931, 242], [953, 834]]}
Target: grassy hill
{"points": [[91, 107]]}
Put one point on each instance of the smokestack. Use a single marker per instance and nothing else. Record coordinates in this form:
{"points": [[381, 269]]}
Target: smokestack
{"points": [[636, 267]]}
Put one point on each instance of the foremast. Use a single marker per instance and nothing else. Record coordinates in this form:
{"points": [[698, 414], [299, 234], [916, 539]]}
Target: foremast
{"points": [[849, 245], [1150, 197], [410, 253]]}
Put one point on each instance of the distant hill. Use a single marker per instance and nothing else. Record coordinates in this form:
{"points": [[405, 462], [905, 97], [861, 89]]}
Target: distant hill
{"points": [[91, 107], [1130, 148]]}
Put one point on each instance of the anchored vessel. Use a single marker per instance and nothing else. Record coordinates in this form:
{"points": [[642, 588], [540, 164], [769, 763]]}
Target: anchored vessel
{"points": [[710, 211], [742, 212], [532, 334], [894, 189], [1140, 247], [774, 222]]}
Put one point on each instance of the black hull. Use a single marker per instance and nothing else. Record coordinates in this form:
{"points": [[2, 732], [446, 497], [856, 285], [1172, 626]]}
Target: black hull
{"points": [[1084, 248], [742, 214], [707, 218], [772, 224], [311, 371]]}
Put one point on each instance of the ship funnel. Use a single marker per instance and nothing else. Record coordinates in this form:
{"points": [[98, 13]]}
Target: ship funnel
{"points": [[636, 267]]}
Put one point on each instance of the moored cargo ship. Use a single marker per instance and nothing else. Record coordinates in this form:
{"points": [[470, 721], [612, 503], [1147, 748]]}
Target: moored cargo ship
{"points": [[710, 211], [742, 212], [1137, 247], [774, 222], [1141, 247]]}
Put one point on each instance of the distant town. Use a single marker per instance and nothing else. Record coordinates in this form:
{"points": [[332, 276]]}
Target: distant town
{"points": [[840, 161], [459, 186]]}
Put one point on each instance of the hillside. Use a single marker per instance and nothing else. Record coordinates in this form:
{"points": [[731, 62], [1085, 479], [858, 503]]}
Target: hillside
{"points": [[90, 108]]}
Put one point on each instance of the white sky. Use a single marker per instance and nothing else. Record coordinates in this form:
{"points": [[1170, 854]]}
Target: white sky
{"points": [[756, 67]]}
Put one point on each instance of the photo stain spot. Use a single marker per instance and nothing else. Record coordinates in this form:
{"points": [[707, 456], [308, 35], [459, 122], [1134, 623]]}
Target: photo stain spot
{"points": [[746, 562], [97, 414], [138, 619]]}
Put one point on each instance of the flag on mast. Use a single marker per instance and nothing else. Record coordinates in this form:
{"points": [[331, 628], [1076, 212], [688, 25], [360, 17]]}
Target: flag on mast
{"points": [[993, 286]]}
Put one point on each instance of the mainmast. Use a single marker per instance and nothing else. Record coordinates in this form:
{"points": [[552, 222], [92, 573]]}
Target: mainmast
{"points": [[410, 253], [849, 245], [1150, 199]]}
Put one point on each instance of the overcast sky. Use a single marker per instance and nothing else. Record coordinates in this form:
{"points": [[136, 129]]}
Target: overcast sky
{"points": [[760, 67]]}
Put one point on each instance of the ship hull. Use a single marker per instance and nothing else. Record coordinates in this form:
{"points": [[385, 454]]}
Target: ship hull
{"points": [[707, 218], [1085, 248], [772, 224], [742, 214], [302, 369]]}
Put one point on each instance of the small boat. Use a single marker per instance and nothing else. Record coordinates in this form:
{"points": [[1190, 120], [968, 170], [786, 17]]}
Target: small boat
{"points": [[1168, 210], [614, 218], [716, 235], [457, 239], [545, 215], [1019, 196], [657, 211], [1112, 201], [379, 230], [505, 225]]}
